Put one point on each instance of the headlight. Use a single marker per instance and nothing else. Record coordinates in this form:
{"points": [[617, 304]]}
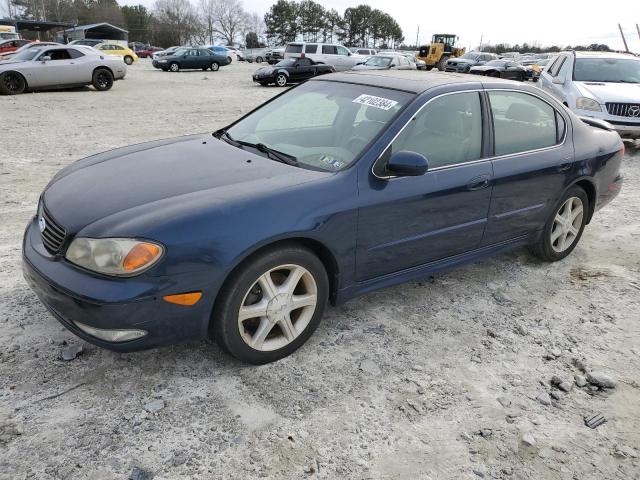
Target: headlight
{"points": [[585, 103], [114, 256]]}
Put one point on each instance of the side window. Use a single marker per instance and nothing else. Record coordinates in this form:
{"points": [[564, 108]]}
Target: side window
{"points": [[342, 51], [311, 48], [560, 127], [329, 50], [75, 53], [304, 62], [58, 54], [447, 131], [522, 122]]}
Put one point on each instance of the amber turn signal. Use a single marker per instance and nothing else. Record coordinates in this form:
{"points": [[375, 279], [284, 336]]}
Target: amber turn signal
{"points": [[139, 256], [187, 299]]}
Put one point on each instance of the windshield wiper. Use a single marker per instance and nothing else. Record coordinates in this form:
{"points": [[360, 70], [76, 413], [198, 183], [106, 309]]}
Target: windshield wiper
{"points": [[261, 147]]}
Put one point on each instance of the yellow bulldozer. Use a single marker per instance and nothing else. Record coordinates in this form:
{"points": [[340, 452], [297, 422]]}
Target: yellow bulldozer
{"points": [[441, 49]]}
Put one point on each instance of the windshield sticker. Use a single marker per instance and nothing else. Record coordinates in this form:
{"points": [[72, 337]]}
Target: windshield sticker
{"points": [[376, 102], [331, 162]]}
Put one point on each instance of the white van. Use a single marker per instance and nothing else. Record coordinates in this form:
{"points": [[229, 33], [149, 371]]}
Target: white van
{"points": [[329, 53]]}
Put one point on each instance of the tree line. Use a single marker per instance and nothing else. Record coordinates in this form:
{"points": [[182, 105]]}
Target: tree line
{"points": [[361, 26], [501, 48]]}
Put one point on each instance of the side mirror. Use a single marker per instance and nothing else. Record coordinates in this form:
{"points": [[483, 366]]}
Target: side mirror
{"points": [[46, 58], [407, 164]]}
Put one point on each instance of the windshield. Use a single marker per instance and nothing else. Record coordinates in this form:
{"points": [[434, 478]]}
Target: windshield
{"points": [[615, 70], [289, 62], [378, 61], [470, 56], [29, 54], [324, 125]]}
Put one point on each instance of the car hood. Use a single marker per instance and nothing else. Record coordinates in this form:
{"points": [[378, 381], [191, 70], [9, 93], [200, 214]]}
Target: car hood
{"points": [[485, 67], [369, 67], [264, 71], [162, 174], [10, 62], [610, 92]]}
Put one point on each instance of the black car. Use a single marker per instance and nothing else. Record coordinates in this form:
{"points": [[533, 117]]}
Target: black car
{"points": [[274, 55], [191, 58], [291, 70], [472, 59], [501, 69]]}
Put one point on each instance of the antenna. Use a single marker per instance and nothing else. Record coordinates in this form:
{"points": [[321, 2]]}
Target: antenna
{"points": [[624, 40]]}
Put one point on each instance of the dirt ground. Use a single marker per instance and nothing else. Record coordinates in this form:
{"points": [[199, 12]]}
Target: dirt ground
{"points": [[442, 379]]}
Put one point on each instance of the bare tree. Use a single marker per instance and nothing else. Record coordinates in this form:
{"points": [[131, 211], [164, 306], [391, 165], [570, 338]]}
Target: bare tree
{"points": [[177, 21], [229, 18], [208, 12]]}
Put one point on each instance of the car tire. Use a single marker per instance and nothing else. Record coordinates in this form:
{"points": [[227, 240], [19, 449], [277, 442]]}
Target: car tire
{"points": [[259, 60], [102, 80], [174, 67], [565, 224], [274, 330], [229, 59], [215, 66], [281, 80], [12, 83], [523, 77], [128, 59]]}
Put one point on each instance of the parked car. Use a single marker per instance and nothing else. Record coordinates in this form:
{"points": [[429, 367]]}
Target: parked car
{"points": [[128, 55], [534, 70], [328, 53], [236, 52], [501, 69], [274, 55], [255, 55], [147, 52], [9, 55], [88, 42], [222, 51], [191, 59], [163, 53], [603, 85], [471, 59], [384, 61], [8, 46], [367, 52], [420, 64], [291, 70], [65, 66], [343, 185]]}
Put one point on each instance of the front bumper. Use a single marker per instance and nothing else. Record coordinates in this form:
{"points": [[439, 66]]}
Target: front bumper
{"points": [[74, 295], [627, 127], [457, 68]]}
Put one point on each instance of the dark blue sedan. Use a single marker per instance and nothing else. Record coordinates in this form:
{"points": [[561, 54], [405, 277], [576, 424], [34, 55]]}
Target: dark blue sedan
{"points": [[343, 185]]}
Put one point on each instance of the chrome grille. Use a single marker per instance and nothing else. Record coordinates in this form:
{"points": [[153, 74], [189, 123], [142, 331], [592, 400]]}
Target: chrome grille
{"points": [[53, 234], [624, 109]]}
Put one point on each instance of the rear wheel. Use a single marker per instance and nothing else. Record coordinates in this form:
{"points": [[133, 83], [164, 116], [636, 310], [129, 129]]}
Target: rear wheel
{"points": [[271, 305], [259, 60], [12, 83], [128, 60], [102, 79], [281, 80], [229, 59], [564, 228], [174, 67]]}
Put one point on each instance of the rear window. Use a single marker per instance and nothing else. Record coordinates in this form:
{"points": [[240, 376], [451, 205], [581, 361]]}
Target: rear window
{"points": [[311, 48], [294, 48]]}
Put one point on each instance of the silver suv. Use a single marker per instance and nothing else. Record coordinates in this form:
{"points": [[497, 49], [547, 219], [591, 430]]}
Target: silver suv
{"points": [[329, 53], [603, 85]]}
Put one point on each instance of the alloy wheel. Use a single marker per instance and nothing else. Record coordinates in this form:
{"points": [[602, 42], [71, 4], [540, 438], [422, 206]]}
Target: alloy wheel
{"points": [[567, 224], [278, 307], [103, 80], [12, 82], [281, 80]]}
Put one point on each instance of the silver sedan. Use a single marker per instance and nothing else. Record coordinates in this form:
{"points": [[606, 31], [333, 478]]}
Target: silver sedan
{"points": [[62, 66]]}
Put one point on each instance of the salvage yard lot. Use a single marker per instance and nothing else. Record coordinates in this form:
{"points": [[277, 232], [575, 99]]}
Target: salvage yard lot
{"points": [[444, 378]]}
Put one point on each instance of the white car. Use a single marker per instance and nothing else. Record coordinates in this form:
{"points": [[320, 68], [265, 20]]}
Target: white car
{"points": [[602, 85], [238, 53], [45, 67], [329, 53]]}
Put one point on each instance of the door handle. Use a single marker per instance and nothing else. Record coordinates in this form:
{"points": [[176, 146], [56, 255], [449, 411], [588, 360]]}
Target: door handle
{"points": [[564, 167], [478, 183]]}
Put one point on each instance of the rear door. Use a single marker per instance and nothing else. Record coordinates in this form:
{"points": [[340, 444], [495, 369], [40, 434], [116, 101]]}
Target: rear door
{"points": [[533, 162]]}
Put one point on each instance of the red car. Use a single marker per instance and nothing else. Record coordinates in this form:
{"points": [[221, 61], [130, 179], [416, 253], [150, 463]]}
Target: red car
{"points": [[12, 45], [148, 52]]}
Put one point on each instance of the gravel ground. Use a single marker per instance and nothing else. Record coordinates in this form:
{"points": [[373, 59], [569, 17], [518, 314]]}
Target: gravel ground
{"points": [[451, 377]]}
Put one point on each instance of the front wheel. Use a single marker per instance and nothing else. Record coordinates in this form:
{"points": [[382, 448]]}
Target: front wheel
{"points": [[102, 80], [281, 80], [215, 66], [442, 63], [259, 60], [564, 228], [12, 83], [174, 67], [128, 60], [271, 305]]}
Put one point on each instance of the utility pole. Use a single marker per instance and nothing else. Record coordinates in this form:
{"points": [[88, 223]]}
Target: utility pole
{"points": [[624, 40], [418, 34]]}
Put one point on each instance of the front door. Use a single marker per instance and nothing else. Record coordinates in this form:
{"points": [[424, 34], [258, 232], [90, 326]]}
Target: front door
{"points": [[409, 221], [533, 161], [58, 70]]}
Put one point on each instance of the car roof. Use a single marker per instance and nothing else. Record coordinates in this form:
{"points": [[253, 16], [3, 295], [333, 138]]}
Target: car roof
{"points": [[583, 54], [406, 80]]}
